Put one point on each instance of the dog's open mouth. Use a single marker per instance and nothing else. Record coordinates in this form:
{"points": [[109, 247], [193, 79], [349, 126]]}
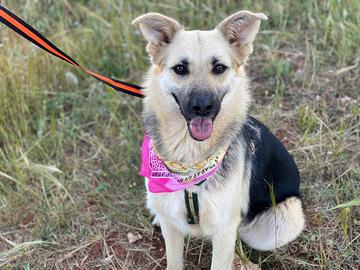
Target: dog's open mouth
{"points": [[201, 128]]}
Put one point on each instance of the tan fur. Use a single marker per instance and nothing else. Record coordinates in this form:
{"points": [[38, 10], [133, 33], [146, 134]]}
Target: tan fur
{"points": [[159, 31], [235, 104], [240, 30], [221, 205]]}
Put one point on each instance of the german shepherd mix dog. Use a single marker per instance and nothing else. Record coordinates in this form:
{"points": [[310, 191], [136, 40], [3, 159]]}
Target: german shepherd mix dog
{"points": [[215, 171]]}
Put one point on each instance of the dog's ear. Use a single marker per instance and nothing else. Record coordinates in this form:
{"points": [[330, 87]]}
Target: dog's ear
{"points": [[240, 30], [158, 30]]}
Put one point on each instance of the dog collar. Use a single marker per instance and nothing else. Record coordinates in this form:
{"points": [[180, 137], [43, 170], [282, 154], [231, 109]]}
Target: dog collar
{"points": [[169, 176]]}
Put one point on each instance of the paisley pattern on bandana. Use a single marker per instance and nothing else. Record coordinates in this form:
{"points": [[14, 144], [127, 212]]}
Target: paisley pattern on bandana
{"points": [[169, 176]]}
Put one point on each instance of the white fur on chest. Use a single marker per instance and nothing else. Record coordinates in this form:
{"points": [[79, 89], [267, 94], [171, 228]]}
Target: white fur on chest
{"points": [[219, 205]]}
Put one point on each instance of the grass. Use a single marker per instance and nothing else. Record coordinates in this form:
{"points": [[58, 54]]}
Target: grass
{"points": [[70, 146]]}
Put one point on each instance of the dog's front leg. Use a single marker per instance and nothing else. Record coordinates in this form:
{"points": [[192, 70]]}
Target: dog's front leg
{"points": [[174, 244], [223, 248]]}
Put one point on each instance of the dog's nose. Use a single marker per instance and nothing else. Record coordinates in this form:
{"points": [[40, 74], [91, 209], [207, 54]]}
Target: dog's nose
{"points": [[205, 105]]}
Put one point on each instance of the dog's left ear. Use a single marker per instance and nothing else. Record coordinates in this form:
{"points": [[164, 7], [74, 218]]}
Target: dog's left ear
{"points": [[240, 30], [158, 30]]}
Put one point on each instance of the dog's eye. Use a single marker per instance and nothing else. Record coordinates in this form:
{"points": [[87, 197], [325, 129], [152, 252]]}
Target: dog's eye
{"points": [[180, 69], [219, 69]]}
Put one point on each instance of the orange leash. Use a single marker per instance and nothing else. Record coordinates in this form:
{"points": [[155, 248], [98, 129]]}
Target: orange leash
{"points": [[25, 30]]}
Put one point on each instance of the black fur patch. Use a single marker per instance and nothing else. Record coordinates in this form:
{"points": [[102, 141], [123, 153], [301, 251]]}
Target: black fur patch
{"points": [[273, 170]]}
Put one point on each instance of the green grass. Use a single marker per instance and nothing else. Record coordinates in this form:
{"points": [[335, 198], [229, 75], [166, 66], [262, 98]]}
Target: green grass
{"points": [[70, 148]]}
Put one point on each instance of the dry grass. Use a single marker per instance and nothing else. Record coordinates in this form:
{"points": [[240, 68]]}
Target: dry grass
{"points": [[69, 146]]}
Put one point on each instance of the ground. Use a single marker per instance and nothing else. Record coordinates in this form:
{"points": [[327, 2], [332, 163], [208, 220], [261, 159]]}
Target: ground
{"points": [[70, 192]]}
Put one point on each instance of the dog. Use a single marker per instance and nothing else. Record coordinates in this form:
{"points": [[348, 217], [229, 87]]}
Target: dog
{"points": [[196, 104]]}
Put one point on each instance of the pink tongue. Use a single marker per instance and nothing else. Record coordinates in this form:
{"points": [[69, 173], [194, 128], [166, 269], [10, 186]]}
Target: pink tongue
{"points": [[201, 128]]}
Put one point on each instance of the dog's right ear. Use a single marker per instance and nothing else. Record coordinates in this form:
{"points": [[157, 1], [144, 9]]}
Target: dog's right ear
{"points": [[158, 30]]}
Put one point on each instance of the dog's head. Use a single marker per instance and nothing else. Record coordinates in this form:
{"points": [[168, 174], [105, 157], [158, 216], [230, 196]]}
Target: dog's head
{"points": [[198, 72]]}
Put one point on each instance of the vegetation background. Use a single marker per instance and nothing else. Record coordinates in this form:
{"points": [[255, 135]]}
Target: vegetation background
{"points": [[70, 194]]}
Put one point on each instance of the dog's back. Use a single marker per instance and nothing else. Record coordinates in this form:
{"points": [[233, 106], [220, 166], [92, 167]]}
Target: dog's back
{"points": [[275, 215], [274, 175]]}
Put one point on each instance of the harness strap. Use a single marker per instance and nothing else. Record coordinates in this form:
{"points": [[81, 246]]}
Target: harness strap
{"points": [[192, 207], [31, 34]]}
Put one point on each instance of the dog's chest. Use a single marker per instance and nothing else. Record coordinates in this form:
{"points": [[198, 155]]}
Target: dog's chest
{"points": [[217, 207]]}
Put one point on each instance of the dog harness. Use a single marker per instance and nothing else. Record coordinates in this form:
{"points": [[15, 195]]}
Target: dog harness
{"points": [[192, 207]]}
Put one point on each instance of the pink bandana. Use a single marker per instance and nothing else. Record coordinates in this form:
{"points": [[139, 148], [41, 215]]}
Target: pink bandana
{"points": [[160, 179]]}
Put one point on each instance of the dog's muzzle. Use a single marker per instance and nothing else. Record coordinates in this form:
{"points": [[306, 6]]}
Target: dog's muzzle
{"points": [[200, 109]]}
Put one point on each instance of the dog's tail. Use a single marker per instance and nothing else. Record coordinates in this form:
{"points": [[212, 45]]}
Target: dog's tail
{"points": [[275, 227]]}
